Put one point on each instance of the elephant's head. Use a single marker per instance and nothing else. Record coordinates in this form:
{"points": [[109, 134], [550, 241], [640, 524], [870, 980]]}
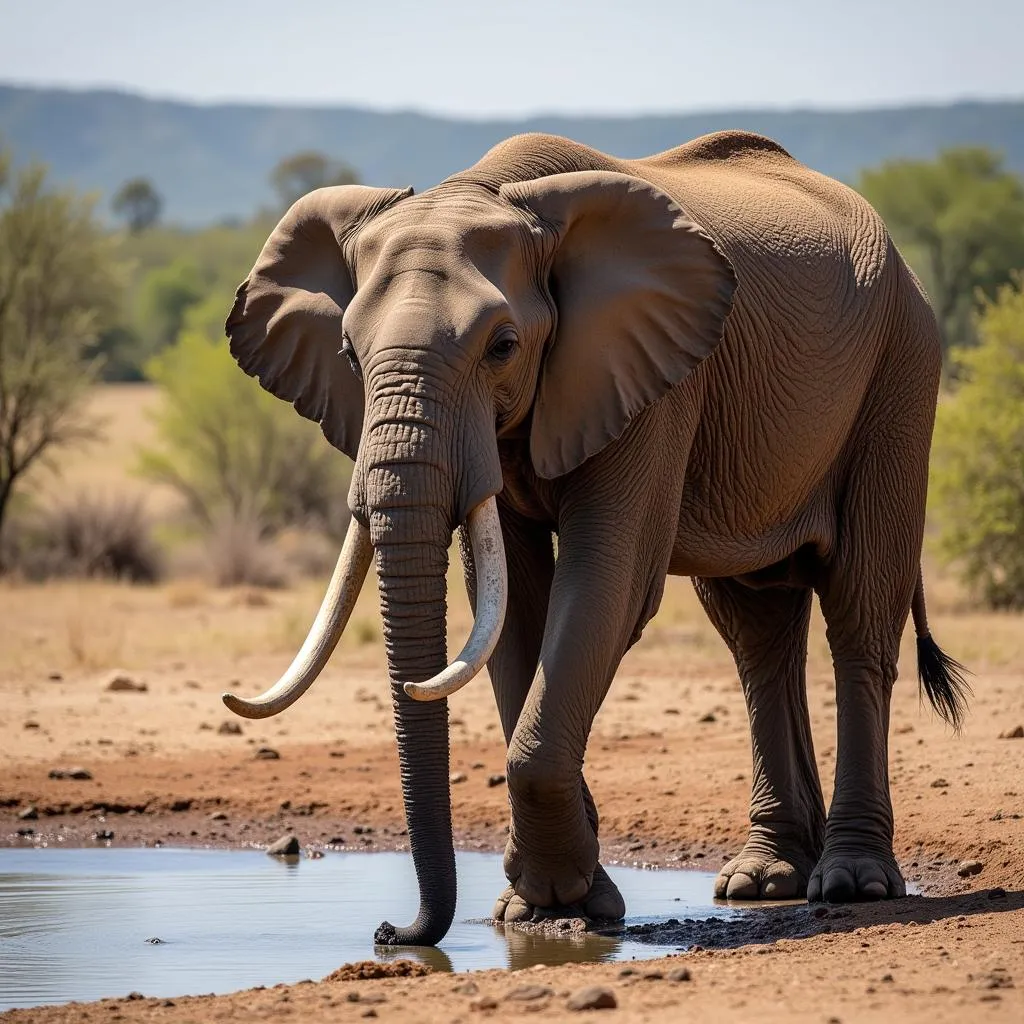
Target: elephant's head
{"points": [[420, 330]]}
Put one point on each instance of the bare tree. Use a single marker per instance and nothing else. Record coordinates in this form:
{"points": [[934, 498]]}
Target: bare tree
{"points": [[58, 281]]}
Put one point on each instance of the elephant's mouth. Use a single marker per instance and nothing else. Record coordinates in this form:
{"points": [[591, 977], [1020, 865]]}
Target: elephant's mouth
{"points": [[340, 598]]}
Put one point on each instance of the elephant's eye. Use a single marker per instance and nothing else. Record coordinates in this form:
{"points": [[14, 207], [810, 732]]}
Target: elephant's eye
{"points": [[502, 347], [350, 354]]}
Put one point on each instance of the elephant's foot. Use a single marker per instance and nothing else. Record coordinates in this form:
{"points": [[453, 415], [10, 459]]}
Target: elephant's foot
{"points": [[603, 902], [769, 867], [557, 877], [845, 874]]}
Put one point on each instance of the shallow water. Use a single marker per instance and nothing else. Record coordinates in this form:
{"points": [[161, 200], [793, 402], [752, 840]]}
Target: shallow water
{"points": [[74, 923]]}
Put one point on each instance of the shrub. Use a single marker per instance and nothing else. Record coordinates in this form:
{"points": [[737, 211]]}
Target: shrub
{"points": [[87, 537], [978, 457], [233, 451]]}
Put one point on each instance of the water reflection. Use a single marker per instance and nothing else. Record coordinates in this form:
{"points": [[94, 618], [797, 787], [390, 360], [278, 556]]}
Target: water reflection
{"points": [[74, 924]]}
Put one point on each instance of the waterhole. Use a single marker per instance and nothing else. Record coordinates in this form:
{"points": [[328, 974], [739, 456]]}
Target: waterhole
{"points": [[82, 924]]}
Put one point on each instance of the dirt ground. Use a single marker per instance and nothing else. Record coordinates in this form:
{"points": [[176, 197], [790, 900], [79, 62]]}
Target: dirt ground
{"points": [[668, 762]]}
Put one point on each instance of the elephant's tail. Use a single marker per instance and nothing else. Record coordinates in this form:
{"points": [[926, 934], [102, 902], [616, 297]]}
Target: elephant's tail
{"points": [[939, 676]]}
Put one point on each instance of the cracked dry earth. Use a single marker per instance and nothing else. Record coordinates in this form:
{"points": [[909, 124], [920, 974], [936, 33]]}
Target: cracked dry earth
{"points": [[668, 764]]}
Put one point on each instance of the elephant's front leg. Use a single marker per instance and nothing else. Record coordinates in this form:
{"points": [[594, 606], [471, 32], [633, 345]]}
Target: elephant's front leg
{"points": [[600, 596], [530, 557]]}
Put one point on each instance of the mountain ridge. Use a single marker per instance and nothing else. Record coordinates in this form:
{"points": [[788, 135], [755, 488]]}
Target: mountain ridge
{"points": [[211, 162]]}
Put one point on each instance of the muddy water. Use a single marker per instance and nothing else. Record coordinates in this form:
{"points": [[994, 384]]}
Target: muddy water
{"points": [[80, 924]]}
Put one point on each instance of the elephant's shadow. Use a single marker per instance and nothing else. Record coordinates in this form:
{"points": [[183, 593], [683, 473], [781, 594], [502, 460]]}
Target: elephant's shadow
{"points": [[766, 925]]}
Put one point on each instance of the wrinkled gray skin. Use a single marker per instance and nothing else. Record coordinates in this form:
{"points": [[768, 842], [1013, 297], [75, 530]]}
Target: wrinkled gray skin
{"points": [[712, 363]]}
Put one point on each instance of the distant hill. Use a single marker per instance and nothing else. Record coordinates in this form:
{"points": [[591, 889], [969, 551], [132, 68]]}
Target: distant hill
{"points": [[211, 163]]}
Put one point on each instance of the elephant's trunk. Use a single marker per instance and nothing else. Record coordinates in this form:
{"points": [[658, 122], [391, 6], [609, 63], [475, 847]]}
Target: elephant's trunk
{"points": [[412, 559]]}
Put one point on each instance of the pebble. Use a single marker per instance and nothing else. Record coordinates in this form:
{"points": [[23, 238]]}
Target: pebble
{"points": [[55, 677], [709, 717], [457, 777], [229, 728], [104, 835], [1017, 733], [679, 974], [30, 813], [267, 754], [79, 774], [483, 1003], [286, 846], [939, 783], [969, 867], [121, 683], [528, 993], [31, 725], [495, 780], [466, 988], [218, 816], [594, 997]]}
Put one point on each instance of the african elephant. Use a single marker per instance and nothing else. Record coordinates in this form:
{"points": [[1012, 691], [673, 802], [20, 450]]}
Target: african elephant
{"points": [[712, 362]]}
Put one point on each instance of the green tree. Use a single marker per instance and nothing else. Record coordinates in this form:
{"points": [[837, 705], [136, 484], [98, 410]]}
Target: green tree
{"points": [[232, 450], [296, 175], [138, 203], [960, 220], [59, 284], [166, 295], [978, 456]]}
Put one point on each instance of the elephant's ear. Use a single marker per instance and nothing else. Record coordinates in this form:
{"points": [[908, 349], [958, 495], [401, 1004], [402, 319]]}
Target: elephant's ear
{"points": [[642, 295], [285, 325]]}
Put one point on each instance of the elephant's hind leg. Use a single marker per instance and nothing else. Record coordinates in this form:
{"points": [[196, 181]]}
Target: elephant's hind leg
{"points": [[766, 630]]}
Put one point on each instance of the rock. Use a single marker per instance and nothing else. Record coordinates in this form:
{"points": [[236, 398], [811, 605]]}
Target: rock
{"points": [[709, 717], [286, 846], [363, 830], [495, 780], [267, 754], [483, 1003], [457, 777], [31, 725], [593, 997], [55, 677], [104, 835], [229, 728], [1016, 733], [119, 682], [679, 974], [79, 774], [939, 783], [528, 993], [466, 988], [30, 813], [628, 972], [969, 867], [155, 941], [218, 816]]}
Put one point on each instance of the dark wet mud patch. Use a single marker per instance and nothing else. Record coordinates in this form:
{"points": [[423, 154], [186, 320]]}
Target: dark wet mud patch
{"points": [[83, 924]]}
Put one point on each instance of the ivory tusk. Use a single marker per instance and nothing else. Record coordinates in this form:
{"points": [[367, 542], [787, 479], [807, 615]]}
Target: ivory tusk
{"points": [[491, 600], [324, 634]]}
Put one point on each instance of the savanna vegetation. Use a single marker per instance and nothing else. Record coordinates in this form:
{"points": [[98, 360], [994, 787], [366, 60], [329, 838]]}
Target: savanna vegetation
{"points": [[146, 302]]}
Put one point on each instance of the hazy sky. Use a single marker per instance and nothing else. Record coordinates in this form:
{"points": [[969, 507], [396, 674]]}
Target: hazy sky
{"points": [[472, 57]]}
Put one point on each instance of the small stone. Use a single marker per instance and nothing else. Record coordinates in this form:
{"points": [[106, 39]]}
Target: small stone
{"points": [[466, 988], [709, 717], [969, 867], [369, 1012], [628, 972], [55, 677], [457, 777], [594, 997], [229, 728], [363, 830], [679, 974], [133, 996], [31, 725], [79, 774], [483, 1003], [286, 846], [218, 816], [528, 993], [653, 976], [154, 941], [267, 754], [30, 813], [119, 682], [104, 835], [939, 783], [1016, 733], [497, 779]]}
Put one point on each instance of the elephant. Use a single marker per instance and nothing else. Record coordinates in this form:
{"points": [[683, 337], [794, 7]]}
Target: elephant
{"points": [[712, 362]]}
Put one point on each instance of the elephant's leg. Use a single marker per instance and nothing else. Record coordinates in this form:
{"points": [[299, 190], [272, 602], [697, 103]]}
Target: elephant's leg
{"points": [[766, 630], [529, 555], [865, 591]]}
